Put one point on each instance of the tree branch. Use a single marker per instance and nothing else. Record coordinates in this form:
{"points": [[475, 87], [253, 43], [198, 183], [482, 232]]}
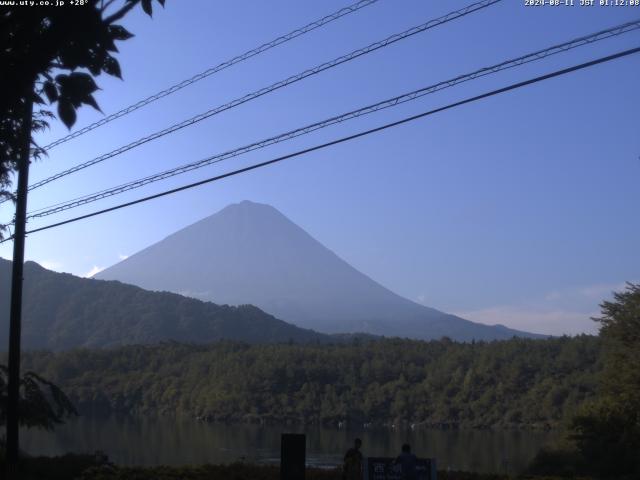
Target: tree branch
{"points": [[104, 6], [122, 12]]}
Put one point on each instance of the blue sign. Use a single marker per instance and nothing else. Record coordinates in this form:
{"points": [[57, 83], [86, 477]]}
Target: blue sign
{"points": [[382, 468]]}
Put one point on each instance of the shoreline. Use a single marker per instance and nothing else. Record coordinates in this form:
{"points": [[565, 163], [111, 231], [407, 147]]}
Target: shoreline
{"points": [[337, 425]]}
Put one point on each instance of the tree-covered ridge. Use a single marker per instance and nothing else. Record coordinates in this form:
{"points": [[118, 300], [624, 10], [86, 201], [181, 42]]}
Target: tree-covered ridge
{"points": [[62, 311], [515, 383]]}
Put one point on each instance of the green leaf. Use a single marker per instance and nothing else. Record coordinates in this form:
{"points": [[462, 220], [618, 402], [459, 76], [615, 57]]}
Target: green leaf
{"points": [[94, 67], [51, 91], [62, 79], [37, 99], [146, 6], [112, 67], [118, 32], [66, 112], [89, 100], [109, 45], [83, 82]]}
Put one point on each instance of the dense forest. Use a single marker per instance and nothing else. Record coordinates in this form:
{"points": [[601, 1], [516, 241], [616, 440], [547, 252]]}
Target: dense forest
{"points": [[515, 383]]}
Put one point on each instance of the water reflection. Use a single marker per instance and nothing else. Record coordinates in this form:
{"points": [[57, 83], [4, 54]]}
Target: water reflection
{"points": [[171, 441]]}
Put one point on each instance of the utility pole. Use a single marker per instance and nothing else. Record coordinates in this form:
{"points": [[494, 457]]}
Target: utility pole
{"points": [[15, 324]]}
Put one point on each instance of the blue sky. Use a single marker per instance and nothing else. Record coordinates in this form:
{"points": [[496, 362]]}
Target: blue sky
{"points": [[520, 209]]}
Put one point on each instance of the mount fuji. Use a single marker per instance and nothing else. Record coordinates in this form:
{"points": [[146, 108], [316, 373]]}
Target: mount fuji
{"points": [[250, 253]]}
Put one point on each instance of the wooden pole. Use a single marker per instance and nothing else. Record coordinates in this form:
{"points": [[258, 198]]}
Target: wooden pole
{"points": [[13, 388]]}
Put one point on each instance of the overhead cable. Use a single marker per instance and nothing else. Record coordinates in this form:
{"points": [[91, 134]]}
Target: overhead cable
{"points": [[391, 102], [474, 7], [513, 86], [218, 68]]}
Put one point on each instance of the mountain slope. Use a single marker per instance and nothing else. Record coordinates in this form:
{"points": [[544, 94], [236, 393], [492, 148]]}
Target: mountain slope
{"points": [[251, 253], [62, 311]]}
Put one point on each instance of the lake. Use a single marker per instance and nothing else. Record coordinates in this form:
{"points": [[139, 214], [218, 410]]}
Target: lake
{"points": [[179, 441]]}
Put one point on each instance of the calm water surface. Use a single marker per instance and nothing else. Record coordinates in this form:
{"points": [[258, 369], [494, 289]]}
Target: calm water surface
{"points": [[171, 441]]}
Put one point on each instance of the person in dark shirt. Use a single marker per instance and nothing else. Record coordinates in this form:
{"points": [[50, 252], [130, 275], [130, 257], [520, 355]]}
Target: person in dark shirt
{"points": [[407, 462], [352, 468]]}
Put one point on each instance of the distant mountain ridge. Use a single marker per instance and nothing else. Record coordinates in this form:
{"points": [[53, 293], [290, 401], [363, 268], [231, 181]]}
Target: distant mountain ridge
{"points": [[61, 311], [250, 253]]}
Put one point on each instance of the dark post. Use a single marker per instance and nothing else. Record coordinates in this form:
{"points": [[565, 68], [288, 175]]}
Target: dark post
{"points": [[293, 456], [13, 389]]}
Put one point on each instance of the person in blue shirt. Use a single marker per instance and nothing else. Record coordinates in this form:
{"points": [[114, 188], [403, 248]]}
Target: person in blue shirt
{"points": [[407, 462]]}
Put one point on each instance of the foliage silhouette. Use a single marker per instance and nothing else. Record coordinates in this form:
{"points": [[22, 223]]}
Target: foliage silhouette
{"points": [[54, 53], [603, 438], [607, 432], [42, 404]]}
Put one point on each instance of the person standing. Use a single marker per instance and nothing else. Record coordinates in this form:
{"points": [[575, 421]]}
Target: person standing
{"points": [[407, 462], [352, 466]]}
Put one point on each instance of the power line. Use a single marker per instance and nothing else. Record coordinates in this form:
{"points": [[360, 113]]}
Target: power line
{"points": [[218, 68], [283, 83], [513, 86], [391, 102]]}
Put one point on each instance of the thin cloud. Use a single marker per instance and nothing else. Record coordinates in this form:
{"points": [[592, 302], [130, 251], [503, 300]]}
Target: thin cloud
{"points": [[596, 292], [93, 271], [550, 322], [122, 256]]}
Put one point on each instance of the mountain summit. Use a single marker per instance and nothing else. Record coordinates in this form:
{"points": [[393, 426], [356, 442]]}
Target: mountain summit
{"points": [[250, 253]]}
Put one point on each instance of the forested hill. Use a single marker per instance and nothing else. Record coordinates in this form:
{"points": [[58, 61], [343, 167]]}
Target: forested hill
{"points": [[514, 383], [62, 311]]}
